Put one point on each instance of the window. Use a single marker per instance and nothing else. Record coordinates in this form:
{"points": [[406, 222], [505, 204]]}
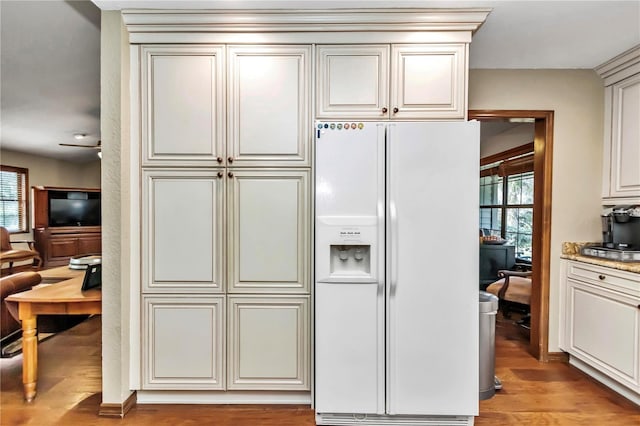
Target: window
{"points": [[506, 201], [14, 182]]}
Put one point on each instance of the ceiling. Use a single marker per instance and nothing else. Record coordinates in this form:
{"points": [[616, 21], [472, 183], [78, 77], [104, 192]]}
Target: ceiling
{"points": [[50, 54]]}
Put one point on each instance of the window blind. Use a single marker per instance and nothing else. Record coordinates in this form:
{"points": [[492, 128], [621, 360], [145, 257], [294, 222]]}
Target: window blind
{"points": [[13, 198]]}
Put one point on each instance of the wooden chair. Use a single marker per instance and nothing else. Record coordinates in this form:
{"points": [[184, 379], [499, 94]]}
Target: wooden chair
{"points": [[514, 291], [10, 255]]}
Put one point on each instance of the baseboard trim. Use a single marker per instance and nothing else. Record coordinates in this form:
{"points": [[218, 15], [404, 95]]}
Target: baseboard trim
{"points": [[558, 357], [118, 410], [223, 397]]}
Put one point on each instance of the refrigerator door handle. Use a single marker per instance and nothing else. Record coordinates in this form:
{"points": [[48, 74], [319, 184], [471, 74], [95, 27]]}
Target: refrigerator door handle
{"points": [[393, 214]]}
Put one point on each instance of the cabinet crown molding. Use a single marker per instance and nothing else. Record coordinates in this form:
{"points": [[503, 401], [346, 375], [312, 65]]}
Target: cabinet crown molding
{"points": [[337, 20], [622, 62]]}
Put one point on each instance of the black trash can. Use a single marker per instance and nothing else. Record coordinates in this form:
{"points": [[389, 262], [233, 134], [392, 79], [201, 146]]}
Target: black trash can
{"points": [[488, 312]]}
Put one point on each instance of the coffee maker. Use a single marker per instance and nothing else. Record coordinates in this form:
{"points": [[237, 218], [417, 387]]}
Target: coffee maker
{"points": [[621, 228]]}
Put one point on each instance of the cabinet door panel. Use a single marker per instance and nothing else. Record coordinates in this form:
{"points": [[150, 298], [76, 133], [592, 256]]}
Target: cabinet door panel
{"points": [[184, 343], [183, 116], [269, 95], [182, 232], [625, 152], [604, 328], [268, 231], [269, 343], [352, 81], [90, 245], [429, 81], [63, 248]]}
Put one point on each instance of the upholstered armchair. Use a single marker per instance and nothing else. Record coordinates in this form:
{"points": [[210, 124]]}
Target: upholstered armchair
{"points": [[514, 291], [10, 255], [16, 283]]}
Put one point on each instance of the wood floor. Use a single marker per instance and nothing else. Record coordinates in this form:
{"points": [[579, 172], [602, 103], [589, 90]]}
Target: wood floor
{"points": [[70, 382]]}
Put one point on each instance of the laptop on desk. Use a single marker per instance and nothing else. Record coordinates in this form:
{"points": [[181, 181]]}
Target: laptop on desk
{"points": [[92, 277]]}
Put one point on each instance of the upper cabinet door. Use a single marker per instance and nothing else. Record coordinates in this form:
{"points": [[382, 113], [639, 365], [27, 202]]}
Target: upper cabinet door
{"points": [[429, 81], [352, 81], [182, 105], [268, 105], [268, 231], [625, 139]]}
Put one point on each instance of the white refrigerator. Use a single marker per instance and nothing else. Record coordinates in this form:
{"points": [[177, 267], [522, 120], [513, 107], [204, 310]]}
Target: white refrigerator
{"points": [[396, 273]]}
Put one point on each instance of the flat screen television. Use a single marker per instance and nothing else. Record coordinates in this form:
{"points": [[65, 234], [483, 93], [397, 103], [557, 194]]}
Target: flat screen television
{"points": [[74, 208]]}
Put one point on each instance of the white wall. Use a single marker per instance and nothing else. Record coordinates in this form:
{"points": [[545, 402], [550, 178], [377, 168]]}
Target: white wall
{"points": [[576, 97], [44, 171], [509, 139], [114, 84]]}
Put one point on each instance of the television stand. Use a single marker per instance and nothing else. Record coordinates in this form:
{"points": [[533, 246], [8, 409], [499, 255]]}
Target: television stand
{"points": [[57, 244]]}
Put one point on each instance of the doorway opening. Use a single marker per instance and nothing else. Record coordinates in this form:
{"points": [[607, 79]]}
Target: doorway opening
{"points": [[541, 232]]}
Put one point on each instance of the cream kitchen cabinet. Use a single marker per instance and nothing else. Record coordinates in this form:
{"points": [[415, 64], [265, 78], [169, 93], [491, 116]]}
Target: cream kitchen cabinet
{"points": [[269, 343], [398, 81], [183, 231], [265, 225], [352, 81], [601, 324], [189, 92], [621, 170], [269, 96], [182, 91], [268, 231], [184, 342]]}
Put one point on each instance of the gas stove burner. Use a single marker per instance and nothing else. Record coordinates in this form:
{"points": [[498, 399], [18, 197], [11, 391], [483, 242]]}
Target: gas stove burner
{"points": [[610, 253]]}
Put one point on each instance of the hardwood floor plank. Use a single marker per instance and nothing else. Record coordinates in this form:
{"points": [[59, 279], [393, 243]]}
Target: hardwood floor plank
{"points": [[70, 384]]}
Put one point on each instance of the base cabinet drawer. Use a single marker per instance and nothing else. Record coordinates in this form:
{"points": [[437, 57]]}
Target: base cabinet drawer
{"points": [[184, 343], [268, 343]]}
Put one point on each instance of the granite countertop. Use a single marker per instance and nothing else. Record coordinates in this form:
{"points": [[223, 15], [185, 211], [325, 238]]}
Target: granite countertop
{"points": [[571, 251]]}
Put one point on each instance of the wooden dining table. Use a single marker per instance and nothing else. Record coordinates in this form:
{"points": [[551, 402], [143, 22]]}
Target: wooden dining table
{"points": [[63, 298]]}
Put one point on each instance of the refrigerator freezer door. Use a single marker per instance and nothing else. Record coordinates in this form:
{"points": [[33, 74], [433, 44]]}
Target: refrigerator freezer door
{"points": [[349, 311], [432, 243]]}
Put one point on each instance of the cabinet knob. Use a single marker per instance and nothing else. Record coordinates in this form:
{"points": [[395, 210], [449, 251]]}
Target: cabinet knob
{"points": [[219, 174], [230, 159], [601, 277], [219, 159], [230, 174], [395, 110], [384, 110]]}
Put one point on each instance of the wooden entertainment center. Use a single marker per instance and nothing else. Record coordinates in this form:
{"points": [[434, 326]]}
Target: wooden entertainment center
{"points": [[56, 243]]}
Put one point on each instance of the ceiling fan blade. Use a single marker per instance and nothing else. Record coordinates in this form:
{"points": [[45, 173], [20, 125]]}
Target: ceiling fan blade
{"points": [[81, 146]]}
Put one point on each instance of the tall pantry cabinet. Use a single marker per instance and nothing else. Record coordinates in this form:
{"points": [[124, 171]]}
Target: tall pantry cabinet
{"points": [[225, 217]]}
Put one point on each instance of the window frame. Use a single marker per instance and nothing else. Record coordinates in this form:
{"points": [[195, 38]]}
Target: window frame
{"points": [[23, 218], [513, 162]]}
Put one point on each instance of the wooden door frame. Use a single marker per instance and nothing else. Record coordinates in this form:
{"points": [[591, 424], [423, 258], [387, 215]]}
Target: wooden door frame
{"points": [[541, 250]]}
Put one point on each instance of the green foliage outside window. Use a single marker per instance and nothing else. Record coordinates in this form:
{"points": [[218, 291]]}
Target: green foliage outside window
{"points": [[506, 209]]}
